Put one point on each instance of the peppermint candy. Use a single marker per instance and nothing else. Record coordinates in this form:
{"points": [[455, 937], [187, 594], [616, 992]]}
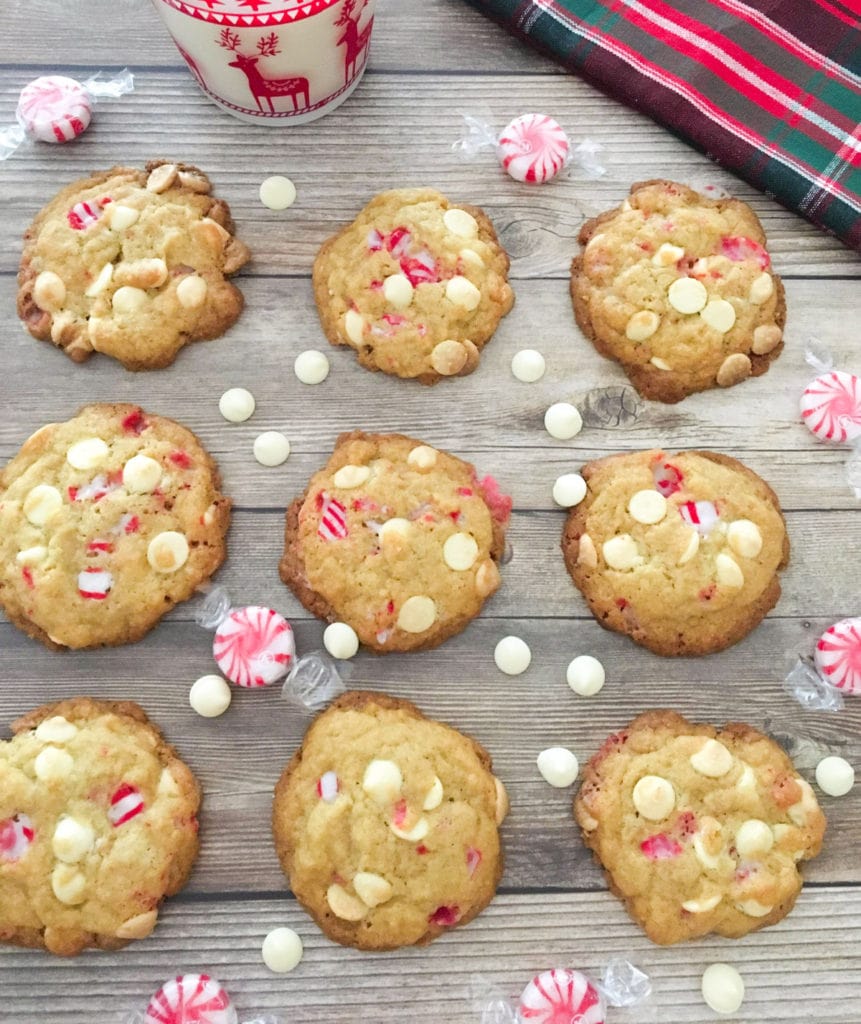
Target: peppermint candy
{"points": [[838, 655], [831, 407], [84, 214], [126, 803], [333, 520], [94, 584], [700, 514], [668, 479], [191, 999], [328, 786], [533, 148], [16, 836], [254, 646], [54, 108], [561, 996]]}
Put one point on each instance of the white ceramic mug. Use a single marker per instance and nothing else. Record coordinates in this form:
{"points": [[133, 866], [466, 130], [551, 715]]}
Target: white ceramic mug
{"points": [[273, 61]]}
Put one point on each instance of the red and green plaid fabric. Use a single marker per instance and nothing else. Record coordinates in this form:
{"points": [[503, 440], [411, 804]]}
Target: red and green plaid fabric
{"points": [[771, 89]]}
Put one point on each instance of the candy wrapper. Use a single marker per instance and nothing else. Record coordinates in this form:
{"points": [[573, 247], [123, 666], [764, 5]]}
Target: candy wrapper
{"points": [[254, 646], [532, 148], [193, 999], [835, 669], [831, 409], [57, 109]]}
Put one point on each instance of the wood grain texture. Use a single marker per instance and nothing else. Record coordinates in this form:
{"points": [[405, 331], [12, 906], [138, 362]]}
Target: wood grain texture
{"points": [[431, 60]]}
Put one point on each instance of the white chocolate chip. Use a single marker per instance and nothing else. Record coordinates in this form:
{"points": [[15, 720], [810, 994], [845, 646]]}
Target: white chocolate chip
{"points": [[470, 258], [398, 291], [41, 503], [501, 801], [383, 781], [647, 507], [642, 325], [835, 776], [49, 291], [765, 338], [277, 192], [719, 315], [236, 405], [692, 548], [528, 365], [69, 884], [512, 655], [145, 273], [708, 860], [209, 696], [32, 556], [569, 490], [687, 295], [462, 292], [351, 476], [52, 764], [282, 950], [621, 553], [55, 730], [729, 573], [723, 988], [414, 835], [434, 797], [486, 578], [161, 178], [753, 908], [703, 905], [586, 553], [747, 780], [733, 370], [139, 926], [460, 552], [141, 474], [761, 289], [394, 532], [563, 421], [354, 327], [417, 614], [72, 840], [744, 538], [753, 838], [654, 797], [340, 640], [460, 223], [558, 767], [167, 784], [660, 364], [128, 299], [191, 291], [806, 806], [585, 675], [87, 454], [271, 448], [667, 255], [120, 217], [713, 759], [343, 905], [167, 551], [311, 367], [423, 457], [372, 889], [449, 357]]}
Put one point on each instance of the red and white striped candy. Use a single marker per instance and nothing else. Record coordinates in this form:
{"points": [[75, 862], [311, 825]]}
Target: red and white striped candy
{"points": [[831, 407], [190, 999], [16, 836], [328, 786], [701, 514], [561, 997], [54, 109], [126, 803], [668, 478], [84, 214], [838, 655], [333, 520], [254, 646], [94, 584], [533, 148]]}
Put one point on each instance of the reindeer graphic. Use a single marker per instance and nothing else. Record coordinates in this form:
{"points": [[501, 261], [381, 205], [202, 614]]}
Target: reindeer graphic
{"points": [[355, 41], [265, 88]]}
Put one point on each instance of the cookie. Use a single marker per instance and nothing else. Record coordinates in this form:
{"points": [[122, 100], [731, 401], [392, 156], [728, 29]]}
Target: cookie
{"points": [[678, 288], [698, 829], [416, 285], [106, 522], [131, 264], [387, 824], [679, 552], [399, 540], [98, 823]]}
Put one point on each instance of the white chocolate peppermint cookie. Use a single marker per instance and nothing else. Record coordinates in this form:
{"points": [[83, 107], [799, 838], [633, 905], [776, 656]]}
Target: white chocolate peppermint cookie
{"points": [[106, 522], [416, 285], [681, 553], [679, 289], [699, 830], [98, 823], [387, 824], [396, 540]]}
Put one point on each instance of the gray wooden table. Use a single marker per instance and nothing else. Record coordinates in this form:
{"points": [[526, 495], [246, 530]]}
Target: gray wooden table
{"points": [[431, 60]]}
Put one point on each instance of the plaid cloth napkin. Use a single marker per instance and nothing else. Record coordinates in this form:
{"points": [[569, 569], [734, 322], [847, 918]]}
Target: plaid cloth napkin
{"points": [[771, 89]]}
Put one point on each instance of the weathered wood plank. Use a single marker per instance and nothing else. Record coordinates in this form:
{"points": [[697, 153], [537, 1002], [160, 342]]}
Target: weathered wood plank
{"points": [[802, 970]]}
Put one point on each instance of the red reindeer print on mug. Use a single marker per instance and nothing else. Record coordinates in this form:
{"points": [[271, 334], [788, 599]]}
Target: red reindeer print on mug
{"points": [[355, 41], [265, 88]]}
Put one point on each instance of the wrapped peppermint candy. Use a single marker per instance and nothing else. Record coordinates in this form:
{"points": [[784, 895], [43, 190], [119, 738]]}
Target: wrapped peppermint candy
{"points": [[57, 109], [835, 669], [533, 148], [831, 409], [192, 999]]}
